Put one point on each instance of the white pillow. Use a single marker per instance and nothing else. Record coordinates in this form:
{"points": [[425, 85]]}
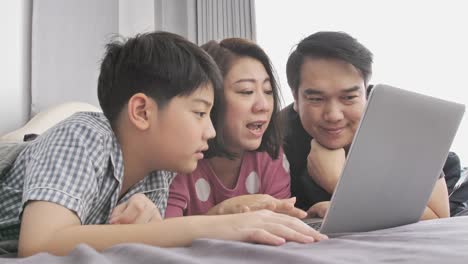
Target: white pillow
{"points": [[48, 118]]}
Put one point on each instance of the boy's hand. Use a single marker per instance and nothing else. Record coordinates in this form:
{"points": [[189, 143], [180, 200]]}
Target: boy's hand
{"points": [[137, 210], [319, 209], [325, 165], [255, 202], [265, 227]]}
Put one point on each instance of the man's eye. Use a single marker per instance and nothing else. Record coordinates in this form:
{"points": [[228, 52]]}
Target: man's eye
{"points": [[315, 99], [349, 98]]}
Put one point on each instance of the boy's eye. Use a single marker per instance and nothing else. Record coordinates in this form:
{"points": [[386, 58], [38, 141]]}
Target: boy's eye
{"points": [[200, 114]]}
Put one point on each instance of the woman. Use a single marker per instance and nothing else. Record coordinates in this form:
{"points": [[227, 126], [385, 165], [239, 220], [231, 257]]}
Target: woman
{"points": [[244, 168]]}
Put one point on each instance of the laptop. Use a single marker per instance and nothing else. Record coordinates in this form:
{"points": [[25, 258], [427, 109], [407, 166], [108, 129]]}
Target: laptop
{"points": [[393, 163]]}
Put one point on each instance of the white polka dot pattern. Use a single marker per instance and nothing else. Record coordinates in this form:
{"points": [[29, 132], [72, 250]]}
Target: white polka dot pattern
{"points": [[203, 189], [252, 183]]}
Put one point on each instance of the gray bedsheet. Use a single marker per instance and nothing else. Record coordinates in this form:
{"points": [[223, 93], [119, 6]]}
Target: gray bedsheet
{"points": [[436, 241]]}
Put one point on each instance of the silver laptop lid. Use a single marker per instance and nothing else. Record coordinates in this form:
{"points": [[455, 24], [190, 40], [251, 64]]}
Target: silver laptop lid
{"points": [[395, 159]]}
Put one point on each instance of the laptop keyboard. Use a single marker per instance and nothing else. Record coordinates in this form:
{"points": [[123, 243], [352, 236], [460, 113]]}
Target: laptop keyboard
{"points": [[313, 222], [315, 225]]}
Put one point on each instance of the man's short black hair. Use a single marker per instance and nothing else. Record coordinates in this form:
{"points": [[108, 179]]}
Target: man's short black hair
{"points": [[161, 65], [328, 45]]}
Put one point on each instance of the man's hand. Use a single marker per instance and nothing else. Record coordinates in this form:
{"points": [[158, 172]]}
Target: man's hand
{"points": [[137, 210], [255, 202], [319, 209], [325, 165]]}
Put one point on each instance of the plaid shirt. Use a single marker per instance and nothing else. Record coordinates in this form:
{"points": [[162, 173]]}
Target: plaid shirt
{"points": [[78, 165]]}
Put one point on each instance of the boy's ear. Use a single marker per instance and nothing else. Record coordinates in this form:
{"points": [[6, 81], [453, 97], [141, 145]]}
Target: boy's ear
{"points": [[139, 108]]}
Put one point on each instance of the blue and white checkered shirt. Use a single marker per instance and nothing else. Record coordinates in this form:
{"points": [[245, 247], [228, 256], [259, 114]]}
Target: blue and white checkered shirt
{"points": [[77, 164]]}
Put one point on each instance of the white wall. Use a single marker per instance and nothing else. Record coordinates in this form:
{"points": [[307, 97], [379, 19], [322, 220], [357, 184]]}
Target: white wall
{"points": [[417, 45], [15, 28], [68, 40], [176, 16], [136, 17]]}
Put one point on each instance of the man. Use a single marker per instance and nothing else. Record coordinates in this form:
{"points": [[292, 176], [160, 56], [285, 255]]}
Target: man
{"points": [[328, 74]]}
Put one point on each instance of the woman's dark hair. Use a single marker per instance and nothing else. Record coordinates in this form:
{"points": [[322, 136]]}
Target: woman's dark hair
{"points": [[225, 54]]}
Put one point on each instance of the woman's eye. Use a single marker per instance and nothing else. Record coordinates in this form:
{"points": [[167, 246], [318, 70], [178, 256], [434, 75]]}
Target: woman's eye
{"points": [[246, 92], [269, 92]]}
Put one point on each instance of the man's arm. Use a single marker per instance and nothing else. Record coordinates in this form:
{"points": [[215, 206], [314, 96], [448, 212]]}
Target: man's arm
{"points": [[438, 205], [52, 228], [325, 165]]}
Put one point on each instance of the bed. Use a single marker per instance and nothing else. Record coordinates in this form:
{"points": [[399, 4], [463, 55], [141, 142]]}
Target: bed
{"points": [[434, 241]]}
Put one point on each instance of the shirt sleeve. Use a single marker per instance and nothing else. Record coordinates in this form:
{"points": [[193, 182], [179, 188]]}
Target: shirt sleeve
{"points": [[308, 192], [178, 197], [276, 178], [62, 171]]}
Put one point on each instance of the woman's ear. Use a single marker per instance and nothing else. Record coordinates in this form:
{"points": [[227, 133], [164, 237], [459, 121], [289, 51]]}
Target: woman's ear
{"points": [[139, 108]]}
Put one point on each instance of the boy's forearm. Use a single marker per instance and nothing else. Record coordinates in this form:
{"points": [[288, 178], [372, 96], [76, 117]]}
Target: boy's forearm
{"points": [[168, 233]]}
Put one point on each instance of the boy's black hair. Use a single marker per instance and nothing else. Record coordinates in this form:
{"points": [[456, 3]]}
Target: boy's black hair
{"points": [[161, 65], [328, 45], [225, 53]]}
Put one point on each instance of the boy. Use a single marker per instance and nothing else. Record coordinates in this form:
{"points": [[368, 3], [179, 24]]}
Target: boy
{"points": [[156, 92]]}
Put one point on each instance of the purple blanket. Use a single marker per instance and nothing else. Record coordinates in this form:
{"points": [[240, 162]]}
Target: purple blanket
{"points": [[435, 241]]}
